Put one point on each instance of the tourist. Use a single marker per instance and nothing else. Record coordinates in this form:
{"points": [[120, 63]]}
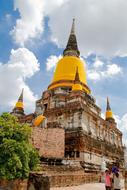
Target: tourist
{"points": [[117, 184], [107, 180]]}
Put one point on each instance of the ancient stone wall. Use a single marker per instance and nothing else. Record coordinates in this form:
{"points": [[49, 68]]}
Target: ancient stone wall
{"points": [[72, 180], [49, 141], [40, 182], [91, 150], [74, 113]]}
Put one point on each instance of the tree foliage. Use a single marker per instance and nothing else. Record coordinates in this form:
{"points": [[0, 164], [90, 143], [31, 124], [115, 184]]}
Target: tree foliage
{"points": [[17, 156]]}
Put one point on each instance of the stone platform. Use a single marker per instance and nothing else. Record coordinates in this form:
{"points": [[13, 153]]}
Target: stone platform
{"points": [[63, 176]]}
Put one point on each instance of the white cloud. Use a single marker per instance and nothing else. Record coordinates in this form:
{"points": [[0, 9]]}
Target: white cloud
{"points": [[21, 66], [52, 61], [53, 5], [23, 60], [100, 25], [100, 70], [30, 23], [93, 75], [98, 63], [113, 69]]}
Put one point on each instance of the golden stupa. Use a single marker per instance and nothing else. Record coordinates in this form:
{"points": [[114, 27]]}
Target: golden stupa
{"points": [[64, 75]]}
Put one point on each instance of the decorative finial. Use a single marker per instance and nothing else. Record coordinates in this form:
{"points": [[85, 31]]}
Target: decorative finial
{"points": [[73, 27], [108, 105], [21, 96], [72, 47]]}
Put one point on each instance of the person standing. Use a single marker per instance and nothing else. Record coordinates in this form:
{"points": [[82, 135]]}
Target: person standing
{"points": [[107, 180], [117, 184]]}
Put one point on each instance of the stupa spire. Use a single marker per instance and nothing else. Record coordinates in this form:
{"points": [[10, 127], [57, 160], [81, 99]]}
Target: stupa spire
{"points": [[109, 113], [108, 105], [19, 107], [20, 99], [72, 47], [73, 27]]}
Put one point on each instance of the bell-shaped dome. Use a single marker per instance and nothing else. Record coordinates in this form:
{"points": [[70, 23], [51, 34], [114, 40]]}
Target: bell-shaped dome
{"points": [[66, 69], [65, 72]]}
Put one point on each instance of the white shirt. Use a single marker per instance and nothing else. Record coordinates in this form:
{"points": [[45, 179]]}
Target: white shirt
{"points": [[117, 184]]}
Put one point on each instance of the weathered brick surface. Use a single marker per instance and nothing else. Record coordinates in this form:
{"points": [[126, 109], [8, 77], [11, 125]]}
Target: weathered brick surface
{"points": [[49, 141], [57, 180], [73, 179], [13, 185], [62, 176]]}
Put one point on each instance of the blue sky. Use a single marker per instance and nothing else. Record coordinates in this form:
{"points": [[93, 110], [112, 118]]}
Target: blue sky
{"points": [[34, 34]]}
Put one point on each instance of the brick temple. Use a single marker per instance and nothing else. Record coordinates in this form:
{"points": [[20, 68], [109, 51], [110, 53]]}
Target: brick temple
{"points": [[67, 128]]}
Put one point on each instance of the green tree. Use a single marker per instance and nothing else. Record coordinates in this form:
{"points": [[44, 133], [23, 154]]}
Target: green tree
{"points": [[17, 155]]}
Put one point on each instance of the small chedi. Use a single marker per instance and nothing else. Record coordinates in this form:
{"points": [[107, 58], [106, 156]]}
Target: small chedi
{"points": [[68, 129]]}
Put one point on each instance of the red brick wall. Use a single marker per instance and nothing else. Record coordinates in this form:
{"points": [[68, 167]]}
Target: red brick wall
{"points": [[49, 141], [73, 179]]}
